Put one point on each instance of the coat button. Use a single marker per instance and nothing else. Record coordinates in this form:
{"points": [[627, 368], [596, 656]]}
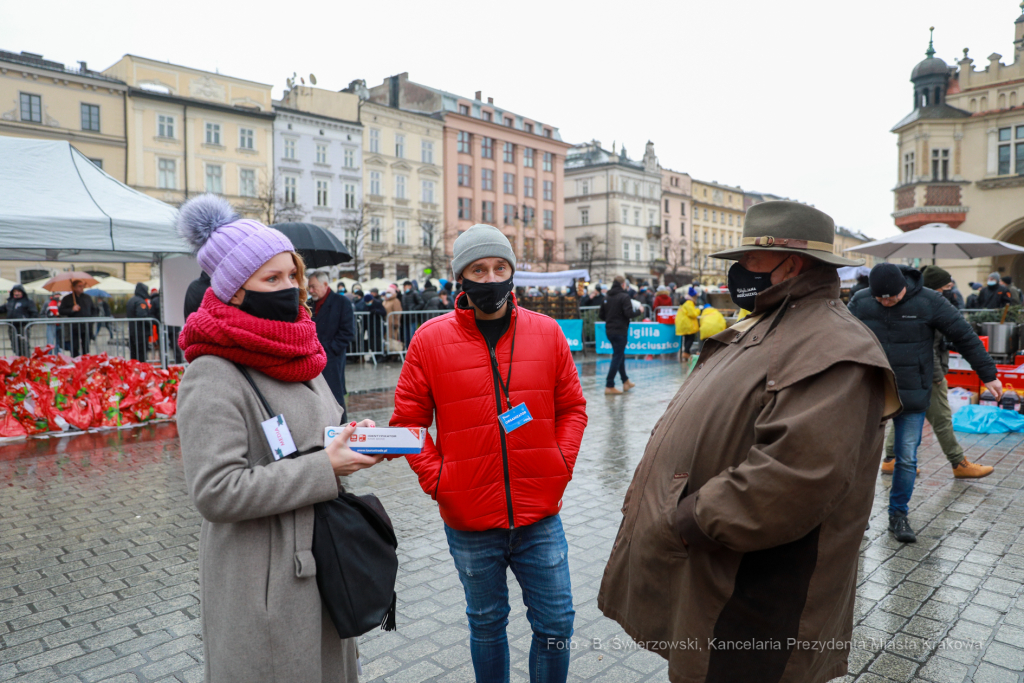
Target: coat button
{"points": [[755, 337], [792, 305], [831, 303], [771, 383], [700, 365]]}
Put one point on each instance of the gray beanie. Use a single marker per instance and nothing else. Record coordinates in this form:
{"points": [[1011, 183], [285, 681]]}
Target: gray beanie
{"points": [[480, 241]]}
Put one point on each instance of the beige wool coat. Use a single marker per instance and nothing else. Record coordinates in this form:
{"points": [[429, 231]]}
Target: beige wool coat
{"points": [[765, 462], [261, 611]]}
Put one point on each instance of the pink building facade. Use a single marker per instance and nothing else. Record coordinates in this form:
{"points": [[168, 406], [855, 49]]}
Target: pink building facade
{"points": [[500, 168]]}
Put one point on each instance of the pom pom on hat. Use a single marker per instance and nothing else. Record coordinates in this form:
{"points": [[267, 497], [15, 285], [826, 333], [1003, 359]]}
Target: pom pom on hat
{"points": [[229, 248], [200, 216]]}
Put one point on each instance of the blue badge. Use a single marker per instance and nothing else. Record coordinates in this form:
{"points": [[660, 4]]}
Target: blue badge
{"points": [[515, 418]]}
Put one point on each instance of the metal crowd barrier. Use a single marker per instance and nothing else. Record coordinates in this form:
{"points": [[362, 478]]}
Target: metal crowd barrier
{"points": [[144, 339], [589, 316], [371, 338], [402, 325]]}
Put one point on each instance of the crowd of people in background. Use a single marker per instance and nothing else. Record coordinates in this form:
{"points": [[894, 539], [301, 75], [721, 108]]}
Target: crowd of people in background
{"points": [[77, 339]]}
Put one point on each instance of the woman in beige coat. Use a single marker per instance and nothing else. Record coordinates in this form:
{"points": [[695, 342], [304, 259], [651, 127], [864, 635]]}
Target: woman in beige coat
{"points": [[262, 616], [393, 304]]}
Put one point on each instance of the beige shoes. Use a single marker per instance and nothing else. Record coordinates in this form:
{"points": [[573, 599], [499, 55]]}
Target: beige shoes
{"points": [[970, 470], [627, 385], [612, 390]]}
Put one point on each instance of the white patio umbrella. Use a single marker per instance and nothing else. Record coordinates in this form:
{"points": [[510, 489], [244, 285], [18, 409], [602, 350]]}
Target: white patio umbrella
{"points": [[36, 286], [115, 285], [5, 284], [380, 283], [935, 241], [347, 281]]}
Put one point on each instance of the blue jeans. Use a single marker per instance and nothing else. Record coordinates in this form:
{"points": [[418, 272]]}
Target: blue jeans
{"points": [[618, 342], [907, 428], [539, 557]]}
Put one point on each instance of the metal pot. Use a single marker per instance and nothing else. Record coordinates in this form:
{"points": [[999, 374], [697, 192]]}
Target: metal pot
{"points": [[1002, 337]]}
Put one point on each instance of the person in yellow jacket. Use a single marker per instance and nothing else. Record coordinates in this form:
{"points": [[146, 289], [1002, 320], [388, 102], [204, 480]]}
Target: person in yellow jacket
{"points": [[711, 322], [687, 326]]}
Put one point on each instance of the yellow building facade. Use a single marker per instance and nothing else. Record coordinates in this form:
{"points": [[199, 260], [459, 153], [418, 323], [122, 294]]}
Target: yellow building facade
{"points": [[961, 152], [403, 192], [847, 239], [191, 131], [717, 224], [44, 99]]}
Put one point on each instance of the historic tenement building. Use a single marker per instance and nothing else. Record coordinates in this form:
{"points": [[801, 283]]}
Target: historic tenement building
{"points": [[961, 154]]}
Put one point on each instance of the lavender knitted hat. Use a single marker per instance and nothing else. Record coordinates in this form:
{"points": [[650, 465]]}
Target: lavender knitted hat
{"points": [[230, 249]]}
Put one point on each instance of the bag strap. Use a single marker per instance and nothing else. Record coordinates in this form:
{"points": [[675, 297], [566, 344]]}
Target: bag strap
{"points": [[263, 399]]}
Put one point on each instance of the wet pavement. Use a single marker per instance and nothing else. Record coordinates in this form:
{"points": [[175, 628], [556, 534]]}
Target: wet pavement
{"points": [[98, 549]]}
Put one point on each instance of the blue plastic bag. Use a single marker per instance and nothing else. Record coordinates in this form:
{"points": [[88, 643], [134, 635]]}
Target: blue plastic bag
{"points": [[987, 420]]}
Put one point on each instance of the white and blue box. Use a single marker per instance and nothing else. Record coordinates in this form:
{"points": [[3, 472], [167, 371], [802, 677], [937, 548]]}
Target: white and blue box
{"points": [[390, 441]]}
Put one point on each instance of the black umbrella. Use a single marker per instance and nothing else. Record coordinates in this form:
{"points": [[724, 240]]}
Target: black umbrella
{"points": [[319, 247]]}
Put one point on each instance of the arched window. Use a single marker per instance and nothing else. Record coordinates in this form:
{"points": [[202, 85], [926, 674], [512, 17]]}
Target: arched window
{"points": [[974, 104], [1002, 100], [924, 98], [938, 95], [984, 103], [1013, 99]]}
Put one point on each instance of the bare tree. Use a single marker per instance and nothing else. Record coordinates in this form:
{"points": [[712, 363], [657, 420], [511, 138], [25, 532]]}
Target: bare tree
{"points": [[553, 253], [432, 245], [269, 203], [354, 228], [702, 266], [595, 256], [675, 258]]}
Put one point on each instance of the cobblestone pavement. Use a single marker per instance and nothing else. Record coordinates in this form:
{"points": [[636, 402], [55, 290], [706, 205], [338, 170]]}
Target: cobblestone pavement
{"points": [[98, 545]]}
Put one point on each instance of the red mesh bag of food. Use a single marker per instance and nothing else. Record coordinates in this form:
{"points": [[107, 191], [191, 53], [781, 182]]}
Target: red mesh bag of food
{"points": [[9, 425]]}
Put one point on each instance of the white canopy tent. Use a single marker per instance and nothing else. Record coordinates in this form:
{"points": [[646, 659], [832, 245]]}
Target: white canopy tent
{"points": [[561, 278], [56, 205]]}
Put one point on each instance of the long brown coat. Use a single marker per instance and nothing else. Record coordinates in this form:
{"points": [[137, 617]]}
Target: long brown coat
{"points": [[765, 462], [262, 615], [394, 305]]}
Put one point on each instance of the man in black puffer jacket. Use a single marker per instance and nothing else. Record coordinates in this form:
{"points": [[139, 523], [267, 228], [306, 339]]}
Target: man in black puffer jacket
{"points": [[139, 306], [904, 316], [616, 312], [19, 307]]}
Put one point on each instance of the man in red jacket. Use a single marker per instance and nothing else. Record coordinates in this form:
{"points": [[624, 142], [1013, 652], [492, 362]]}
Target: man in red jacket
{"points": [[510, 417]]}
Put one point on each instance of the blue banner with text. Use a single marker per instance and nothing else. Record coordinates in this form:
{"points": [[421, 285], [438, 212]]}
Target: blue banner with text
{"points": [[573, 331], [643, 338]]}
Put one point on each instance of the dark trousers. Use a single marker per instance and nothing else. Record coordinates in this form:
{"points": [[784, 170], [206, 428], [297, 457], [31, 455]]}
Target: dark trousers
{"points": [[618, 342], [334, 373], [19, 340], [172, 344], [138, 341], [80, 334], [688, 340]]}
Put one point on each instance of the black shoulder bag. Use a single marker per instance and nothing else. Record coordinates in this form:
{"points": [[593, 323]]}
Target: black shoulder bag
{"points": [[355, 549]]}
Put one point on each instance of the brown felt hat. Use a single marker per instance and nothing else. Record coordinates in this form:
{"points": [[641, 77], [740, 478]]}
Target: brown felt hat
{"points": [[789, 227]]}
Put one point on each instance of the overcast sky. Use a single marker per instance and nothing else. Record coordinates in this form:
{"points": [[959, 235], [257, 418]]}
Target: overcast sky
{"points": [[791, 97]]}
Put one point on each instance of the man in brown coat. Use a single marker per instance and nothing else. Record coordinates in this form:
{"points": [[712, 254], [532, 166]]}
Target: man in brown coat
{"points": [[737, 555]]}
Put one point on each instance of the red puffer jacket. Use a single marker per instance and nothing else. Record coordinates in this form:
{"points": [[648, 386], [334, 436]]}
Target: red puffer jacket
{"points": [[481, 477]]}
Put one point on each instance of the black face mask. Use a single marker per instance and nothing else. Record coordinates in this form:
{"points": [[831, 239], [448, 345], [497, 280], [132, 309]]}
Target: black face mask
{"points": [[281, 305], [744, 285], [488, 296], [950, 297]]}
